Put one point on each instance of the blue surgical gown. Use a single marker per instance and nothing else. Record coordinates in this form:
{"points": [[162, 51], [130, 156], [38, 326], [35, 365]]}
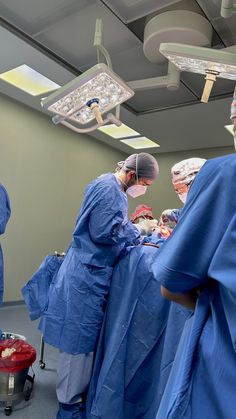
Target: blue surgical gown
{"points": [[5, 212], [201, 253], [140, 334], [78, 293]]}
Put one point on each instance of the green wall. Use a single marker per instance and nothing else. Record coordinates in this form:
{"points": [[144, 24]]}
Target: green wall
{"points": [[161, 195], [45, 169]]}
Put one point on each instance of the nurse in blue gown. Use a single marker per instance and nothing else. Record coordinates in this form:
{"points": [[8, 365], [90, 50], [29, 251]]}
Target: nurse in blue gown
{"points": [[78, 293], [5, 212], [197, 268]]}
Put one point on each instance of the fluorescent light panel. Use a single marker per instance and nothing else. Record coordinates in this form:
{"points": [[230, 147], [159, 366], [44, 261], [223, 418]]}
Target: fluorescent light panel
{"points": [[199, 59], [118, 132], [139, 143], [230, 129], [70, 101], [29, 80]]}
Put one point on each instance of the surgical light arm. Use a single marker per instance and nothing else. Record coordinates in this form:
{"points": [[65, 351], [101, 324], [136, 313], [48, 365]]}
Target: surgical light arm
{"points": [[171, 81], [110, 119], [228, 7]]}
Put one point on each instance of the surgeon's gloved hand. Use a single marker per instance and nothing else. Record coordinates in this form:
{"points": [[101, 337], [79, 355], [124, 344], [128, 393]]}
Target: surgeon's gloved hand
{"points": [[146, 227]]}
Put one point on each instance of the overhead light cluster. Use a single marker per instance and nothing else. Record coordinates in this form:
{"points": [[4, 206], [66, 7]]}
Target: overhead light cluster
{"points": [[128, 136], [29, 80]]}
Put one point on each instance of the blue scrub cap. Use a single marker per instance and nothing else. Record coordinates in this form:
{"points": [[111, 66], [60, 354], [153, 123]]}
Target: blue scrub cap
{"points": [[144, 164]]}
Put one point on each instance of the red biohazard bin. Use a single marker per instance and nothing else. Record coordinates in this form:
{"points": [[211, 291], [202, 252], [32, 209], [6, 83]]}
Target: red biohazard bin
{"points": [[14, 371]]}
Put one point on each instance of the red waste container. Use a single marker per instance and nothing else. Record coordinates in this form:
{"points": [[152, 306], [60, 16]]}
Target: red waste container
{"points": [[16, 356]]}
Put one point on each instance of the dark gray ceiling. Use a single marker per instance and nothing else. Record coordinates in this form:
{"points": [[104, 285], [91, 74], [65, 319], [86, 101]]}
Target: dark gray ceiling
{"points": [[55, 37]]}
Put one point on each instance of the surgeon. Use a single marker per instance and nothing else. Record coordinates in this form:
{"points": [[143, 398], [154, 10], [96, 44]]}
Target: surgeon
{"points": [[183, 174], [78, 295], [141, 212], [198, 270], [143, 218], [168, 221], [5, 212]]}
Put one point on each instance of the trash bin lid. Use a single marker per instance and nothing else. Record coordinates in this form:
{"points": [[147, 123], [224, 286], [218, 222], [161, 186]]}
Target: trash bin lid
{"points": [[15, 355]]}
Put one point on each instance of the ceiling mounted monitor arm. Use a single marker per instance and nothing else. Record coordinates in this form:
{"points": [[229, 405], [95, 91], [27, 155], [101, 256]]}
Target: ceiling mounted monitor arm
{"points": [[171, 81], [228, 7]]}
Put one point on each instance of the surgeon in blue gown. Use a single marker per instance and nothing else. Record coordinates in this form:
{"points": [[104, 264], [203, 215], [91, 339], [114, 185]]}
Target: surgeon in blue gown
{"points": [[198, 270], [5, 212], [139, 338], [78, 293]]}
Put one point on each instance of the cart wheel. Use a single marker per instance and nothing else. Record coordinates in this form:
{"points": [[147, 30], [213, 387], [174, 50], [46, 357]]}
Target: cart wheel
{"points": [[8, 411], [42, 365]]}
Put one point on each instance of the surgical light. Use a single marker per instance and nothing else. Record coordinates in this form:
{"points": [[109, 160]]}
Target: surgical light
{"points": [[98, 87], [210, 62]]}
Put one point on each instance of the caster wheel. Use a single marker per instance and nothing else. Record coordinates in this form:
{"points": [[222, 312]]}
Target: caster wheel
{"points": [[42, 365], [8, 411]]}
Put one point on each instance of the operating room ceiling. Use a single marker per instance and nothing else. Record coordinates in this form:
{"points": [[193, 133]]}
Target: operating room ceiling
{"points": [[55, 37]]}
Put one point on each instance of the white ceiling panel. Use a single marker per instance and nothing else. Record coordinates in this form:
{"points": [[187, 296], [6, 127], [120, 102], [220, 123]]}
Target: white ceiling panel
{"points": [[130, 10], [184, 128], [14, 52], [136, 65], [226, 28], [196, 83], [160, 98], [33, 16], [73, 36]]}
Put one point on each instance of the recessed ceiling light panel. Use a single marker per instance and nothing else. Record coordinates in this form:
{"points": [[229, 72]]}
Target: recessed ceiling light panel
{"points": [[118, 132], [140, 143], [29, 80]]}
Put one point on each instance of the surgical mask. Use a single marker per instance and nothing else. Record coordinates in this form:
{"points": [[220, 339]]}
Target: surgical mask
{"points": [[136, 190], [183, 197]]}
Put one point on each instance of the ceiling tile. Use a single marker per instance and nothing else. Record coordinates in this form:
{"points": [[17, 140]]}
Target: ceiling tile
{"points": [[33, 16], [130, 10], [196, 83], [160, 99], [73, 36]]}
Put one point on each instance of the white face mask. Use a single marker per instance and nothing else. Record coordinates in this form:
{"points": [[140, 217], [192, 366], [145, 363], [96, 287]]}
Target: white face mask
{"points": [[183, 197], [136, 190]]}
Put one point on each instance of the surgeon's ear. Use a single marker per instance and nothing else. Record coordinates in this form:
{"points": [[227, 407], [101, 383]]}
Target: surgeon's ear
{"points": [[131, 175]]}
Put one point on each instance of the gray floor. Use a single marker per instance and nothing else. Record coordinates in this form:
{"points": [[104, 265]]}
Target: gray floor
{"points": [[43, 402]]}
